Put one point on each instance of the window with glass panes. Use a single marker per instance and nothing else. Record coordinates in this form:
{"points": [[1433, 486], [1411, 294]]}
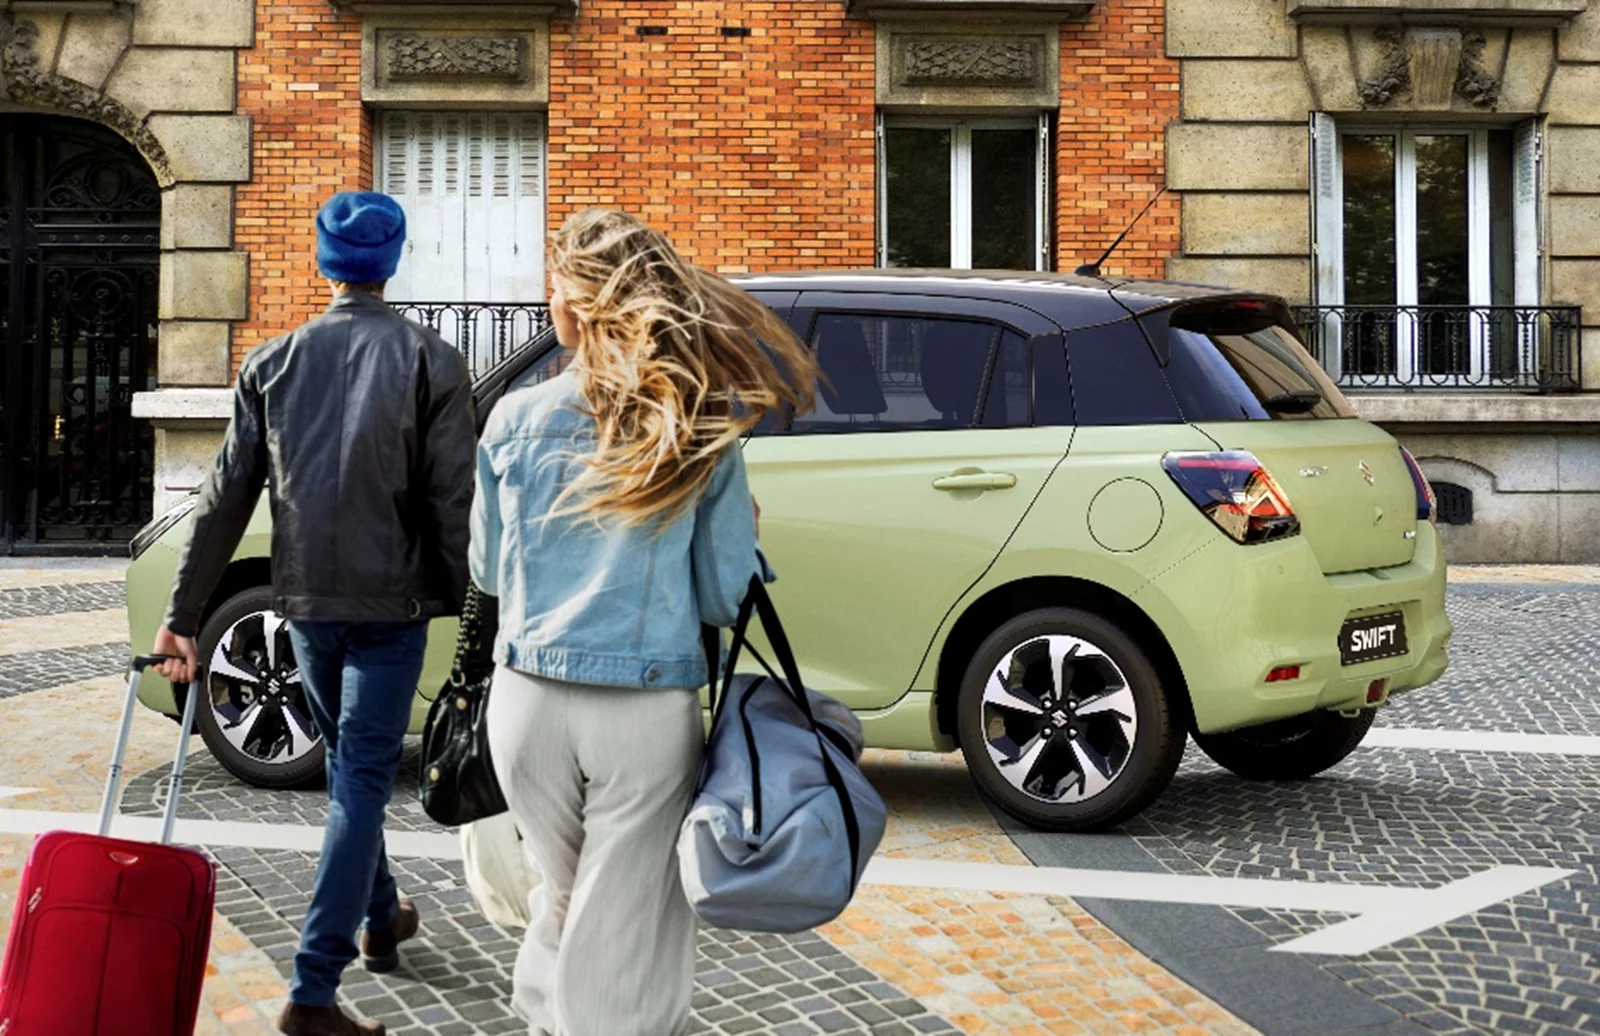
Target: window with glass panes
{"points": [[963, 193], [1427, 236]]}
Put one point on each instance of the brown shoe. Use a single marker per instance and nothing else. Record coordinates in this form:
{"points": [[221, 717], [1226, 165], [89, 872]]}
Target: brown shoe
{"points": [[300, 1020], [380, 950]]}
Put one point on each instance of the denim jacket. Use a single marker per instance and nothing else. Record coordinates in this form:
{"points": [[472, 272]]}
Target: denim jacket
{"points": [[600, 603]]}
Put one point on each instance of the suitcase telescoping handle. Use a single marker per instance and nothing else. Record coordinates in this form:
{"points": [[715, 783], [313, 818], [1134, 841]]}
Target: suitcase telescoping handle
{"points": [[108, 804]]}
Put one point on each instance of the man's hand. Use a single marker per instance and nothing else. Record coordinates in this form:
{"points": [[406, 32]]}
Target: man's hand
{"points": [[757, 507], [183, 661]]}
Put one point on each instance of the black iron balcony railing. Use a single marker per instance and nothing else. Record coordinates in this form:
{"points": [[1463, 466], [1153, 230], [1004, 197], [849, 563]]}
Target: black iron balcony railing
{"points": [[485, 332], [1447, 347]]}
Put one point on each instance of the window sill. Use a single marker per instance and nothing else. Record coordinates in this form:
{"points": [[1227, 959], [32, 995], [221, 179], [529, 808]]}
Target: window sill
{"points": [[1456, 12], [1469, 408]]}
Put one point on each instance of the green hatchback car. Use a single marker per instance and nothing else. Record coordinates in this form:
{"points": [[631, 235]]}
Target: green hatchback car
{"points": [[1060, 524]]}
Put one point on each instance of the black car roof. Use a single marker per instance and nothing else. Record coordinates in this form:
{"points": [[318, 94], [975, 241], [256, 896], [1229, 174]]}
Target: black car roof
{"points": [[1070, 300]]}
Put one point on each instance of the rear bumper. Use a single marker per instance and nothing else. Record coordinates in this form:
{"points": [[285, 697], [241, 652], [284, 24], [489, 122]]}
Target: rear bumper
{"points": [[1231, 620]]}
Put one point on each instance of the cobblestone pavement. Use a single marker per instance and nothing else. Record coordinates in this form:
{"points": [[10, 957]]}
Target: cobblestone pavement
{"points": [[908, 961], [1524, 661], [900, 962]]}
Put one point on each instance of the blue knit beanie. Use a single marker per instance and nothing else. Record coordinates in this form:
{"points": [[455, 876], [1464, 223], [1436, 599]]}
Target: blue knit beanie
{"points": [[359, 237]]}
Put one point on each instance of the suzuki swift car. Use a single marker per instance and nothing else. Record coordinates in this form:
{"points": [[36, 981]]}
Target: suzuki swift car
{"points": [[1061, 524]]}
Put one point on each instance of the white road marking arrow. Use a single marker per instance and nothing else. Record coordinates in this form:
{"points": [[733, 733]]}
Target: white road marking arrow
{"points": [[1384, 913], [1511, 743]]}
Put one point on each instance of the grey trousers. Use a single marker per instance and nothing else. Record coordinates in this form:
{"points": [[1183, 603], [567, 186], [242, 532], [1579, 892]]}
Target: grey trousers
{"points": [[598, 780]]}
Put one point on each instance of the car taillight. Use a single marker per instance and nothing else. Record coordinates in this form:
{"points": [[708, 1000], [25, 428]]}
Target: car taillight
{"points": [[1236, 493], [1427, 503]]}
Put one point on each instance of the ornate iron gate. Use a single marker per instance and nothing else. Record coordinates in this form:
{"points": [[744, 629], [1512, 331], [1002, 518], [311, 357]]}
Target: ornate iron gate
{"points": [[80, 219]]}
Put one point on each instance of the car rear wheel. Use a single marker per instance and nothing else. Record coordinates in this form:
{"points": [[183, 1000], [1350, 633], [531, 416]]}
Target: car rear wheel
{"points": [[1064, 722], [254, 718], [1290, 749]]}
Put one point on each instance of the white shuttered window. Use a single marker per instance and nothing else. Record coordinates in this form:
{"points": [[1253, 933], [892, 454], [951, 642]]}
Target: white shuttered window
{"points": [[472, 185]]}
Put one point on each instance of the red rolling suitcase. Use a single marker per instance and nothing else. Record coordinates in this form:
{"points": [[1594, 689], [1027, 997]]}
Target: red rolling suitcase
{"points": [[110, 937]]}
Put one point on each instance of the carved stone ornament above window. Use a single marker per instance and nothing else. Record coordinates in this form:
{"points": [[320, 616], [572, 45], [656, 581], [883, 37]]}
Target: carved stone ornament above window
{"points": [[456, 57], [965, 61], [935, 64], [437, 62], [1430, 68], [1449, 12], [1055, 10]]}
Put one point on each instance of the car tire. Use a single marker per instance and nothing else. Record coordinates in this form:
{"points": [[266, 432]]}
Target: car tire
{"points": [[1082, 751], [254, 718], [1290, 749]]}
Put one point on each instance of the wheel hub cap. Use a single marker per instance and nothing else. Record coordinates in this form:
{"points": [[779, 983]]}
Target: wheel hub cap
{"points": [[255, 692], [1059, 719]]}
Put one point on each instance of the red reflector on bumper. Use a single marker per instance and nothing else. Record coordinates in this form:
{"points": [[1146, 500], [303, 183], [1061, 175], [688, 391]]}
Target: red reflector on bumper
{"points": [[1376, 691], [1284, 672]]}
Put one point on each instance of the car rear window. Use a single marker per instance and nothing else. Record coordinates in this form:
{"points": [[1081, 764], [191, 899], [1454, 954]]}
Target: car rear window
{"points": [[1116, 379], [1226, 368]]}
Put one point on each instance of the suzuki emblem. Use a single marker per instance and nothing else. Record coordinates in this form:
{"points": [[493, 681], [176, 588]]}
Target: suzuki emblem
{"points": [[1366, 473]]}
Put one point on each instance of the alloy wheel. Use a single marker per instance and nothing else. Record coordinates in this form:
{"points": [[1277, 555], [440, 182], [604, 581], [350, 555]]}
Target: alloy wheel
{"points": [[1059, 719], [256, 696]]}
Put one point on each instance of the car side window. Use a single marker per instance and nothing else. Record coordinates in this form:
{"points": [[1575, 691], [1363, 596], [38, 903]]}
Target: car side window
{"points": [[1116, 378], [1010, 402], [542, 369], [899, 372]]}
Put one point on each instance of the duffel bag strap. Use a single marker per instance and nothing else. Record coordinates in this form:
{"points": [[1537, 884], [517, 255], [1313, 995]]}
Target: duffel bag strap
{"points": [[779, 639]]}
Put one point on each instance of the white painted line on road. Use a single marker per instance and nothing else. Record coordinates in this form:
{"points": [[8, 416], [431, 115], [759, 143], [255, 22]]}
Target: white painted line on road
{"points": [[1144, 886], [434, 845], [1481, 741], [1422, 910], [1386, 913]]}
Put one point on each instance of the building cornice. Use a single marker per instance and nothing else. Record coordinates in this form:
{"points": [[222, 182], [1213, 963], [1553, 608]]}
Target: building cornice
{"points": [[1437, 12]]}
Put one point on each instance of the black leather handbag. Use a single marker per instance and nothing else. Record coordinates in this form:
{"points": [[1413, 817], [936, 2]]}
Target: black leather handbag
{"points": [[458, 781]]}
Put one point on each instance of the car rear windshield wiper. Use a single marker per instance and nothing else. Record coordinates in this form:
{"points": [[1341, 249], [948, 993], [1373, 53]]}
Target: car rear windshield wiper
{"points": [[1302, 401]]}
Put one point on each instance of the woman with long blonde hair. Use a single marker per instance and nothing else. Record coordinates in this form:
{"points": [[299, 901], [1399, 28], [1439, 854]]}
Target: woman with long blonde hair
{"points": [[612, 519]]}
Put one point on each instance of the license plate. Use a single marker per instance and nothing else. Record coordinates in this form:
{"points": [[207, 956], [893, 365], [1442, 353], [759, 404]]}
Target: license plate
{"points": [[1372, 637]]}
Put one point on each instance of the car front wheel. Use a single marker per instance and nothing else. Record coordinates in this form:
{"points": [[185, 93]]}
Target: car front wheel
{"points": [[1064, 722], [1290, 749], [254, 717]]}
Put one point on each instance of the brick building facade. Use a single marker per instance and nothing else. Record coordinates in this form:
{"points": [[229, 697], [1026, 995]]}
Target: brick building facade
{"points": [[761, 136], [790, 134]]}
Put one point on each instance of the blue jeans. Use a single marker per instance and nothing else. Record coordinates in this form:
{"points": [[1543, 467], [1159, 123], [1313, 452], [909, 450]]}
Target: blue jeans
{"points": [[360, 679]]}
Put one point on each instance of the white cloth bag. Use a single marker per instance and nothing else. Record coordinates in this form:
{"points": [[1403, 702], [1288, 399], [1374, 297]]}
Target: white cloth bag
{"points": [[499, 873]]}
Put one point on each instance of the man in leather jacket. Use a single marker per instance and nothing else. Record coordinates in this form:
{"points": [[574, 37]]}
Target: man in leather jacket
{"points": [[360, 423]]}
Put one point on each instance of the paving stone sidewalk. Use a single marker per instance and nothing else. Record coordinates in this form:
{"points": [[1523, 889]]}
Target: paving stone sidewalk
{"points": [[900, 962]]}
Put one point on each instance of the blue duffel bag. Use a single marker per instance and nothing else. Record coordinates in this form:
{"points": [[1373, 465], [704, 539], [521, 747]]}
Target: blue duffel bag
{"points": [[783, 821]]}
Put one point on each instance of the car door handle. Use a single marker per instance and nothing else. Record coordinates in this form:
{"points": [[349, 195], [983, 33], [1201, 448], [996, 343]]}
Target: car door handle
{"points": [[981, 480]]}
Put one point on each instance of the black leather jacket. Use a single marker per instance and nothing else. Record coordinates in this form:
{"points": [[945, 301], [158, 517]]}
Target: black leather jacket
{"points": [[361, 424]]}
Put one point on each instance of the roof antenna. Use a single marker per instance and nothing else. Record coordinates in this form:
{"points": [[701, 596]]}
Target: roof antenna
{"points": [[1093, 269]]}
